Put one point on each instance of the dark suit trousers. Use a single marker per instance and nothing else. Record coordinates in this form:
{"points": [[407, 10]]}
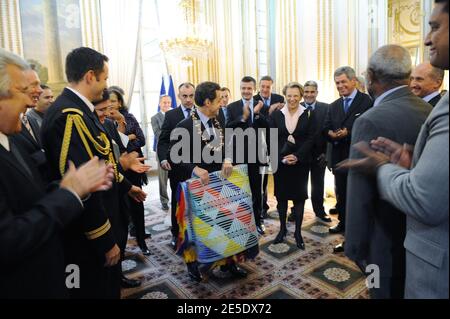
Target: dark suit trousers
{"points": [[265, 182], [255, 179], [340, 181], [317, 187], [137, 209], [173, 208]]}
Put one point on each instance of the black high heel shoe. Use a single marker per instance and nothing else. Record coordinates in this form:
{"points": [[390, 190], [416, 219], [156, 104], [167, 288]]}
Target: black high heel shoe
{"points": [[280, 237], [299, 241]]}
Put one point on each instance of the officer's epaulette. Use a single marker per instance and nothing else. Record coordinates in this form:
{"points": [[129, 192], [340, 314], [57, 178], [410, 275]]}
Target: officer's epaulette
{"points": [[72, 110]]}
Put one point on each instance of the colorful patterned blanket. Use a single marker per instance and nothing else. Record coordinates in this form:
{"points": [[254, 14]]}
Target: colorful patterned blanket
{"points": [[216, 221]]}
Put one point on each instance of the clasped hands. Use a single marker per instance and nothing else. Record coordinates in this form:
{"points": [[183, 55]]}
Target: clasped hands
{"points": [[339, 134]]}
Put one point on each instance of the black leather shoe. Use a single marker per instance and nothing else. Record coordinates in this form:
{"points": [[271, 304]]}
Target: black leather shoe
{"points": [[339, 248], [333, 211], [338, 229], [299, 242], [173, 242], [146, 252], [323, 217], [280, 237], [147, 235], [264, 214], [261, 229], [129, 283], [194, 273], [165, 207], [237, 271]]}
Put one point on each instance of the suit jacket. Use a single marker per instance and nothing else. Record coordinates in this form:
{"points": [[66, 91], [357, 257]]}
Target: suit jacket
{"points": [[31, 222], [157, 123], [36, 116], [274, 98], [242, 148], [434, 101], [320, 140], [100, 227], [338, 119], [422, 194], [171, 120], [375, 229], [33, 146], [183, 170]]}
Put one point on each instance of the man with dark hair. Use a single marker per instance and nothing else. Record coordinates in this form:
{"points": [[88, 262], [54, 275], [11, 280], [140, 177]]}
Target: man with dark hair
{"points": [[249, 114], [269, 99], [224, 101], [207, 98], [186, 94], [72, 132], [338, 126], [318, 163], [426, 80], [45, 101]]}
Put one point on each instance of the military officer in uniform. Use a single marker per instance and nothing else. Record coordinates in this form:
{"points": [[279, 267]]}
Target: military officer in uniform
{"points": [[72, 132]]}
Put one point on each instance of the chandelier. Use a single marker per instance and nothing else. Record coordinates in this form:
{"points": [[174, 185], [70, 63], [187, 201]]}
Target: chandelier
{"points": [[191, 40]]}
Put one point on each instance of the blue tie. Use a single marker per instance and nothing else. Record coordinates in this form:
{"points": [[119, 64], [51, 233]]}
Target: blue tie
{"points": [[309, 107], [347, 101]]}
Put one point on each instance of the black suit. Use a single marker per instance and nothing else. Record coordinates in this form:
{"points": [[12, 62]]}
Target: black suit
{"points": [[274, 99], [33, 146], [101, 227], [338, 119], [434, 101], [318, 165], [171, 119], [184, 169], [243, 148], [31, 252]]}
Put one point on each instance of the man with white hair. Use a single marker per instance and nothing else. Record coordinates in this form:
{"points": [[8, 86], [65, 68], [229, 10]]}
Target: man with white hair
{"points": [[375, 230]]}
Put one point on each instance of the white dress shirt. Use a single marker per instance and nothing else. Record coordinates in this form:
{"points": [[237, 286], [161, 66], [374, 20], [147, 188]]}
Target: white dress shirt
{"points": [[4, 141]]}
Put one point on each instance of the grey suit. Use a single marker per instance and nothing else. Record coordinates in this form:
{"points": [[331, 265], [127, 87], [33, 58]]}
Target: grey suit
{"points": [[157, 122], [422, 194], [375, 230]]}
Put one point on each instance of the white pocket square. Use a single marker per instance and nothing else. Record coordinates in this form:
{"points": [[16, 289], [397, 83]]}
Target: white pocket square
{"points": [[356, 115]]}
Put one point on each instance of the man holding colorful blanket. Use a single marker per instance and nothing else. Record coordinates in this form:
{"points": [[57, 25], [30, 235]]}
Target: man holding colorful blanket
{"points": [[214, 230]]}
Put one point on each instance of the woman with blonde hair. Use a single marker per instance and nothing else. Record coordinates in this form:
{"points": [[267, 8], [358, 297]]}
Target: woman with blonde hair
{"points": [[296, 131]]}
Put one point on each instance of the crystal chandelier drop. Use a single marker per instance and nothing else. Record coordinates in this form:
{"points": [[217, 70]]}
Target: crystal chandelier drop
{"points": [[191, 40]]}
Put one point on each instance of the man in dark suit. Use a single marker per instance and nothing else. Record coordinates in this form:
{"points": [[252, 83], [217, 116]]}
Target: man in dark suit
{"points": [[269, 100], [72, 132], [29, 137], [318, 163], [31, 221], [165, 103], [207, 98], [375, 229], [249, 114], [426, 81], [338, 125], [186, 94]]}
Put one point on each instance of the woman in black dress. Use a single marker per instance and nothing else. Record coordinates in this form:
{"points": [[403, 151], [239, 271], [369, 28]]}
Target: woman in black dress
{"points": [[295, 139]]}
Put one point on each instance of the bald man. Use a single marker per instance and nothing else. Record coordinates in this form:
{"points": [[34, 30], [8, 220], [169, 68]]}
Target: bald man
{"points": [[426, 81]]}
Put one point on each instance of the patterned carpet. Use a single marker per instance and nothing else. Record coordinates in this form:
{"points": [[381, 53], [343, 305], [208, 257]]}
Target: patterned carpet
{"points": [[279, 272]]}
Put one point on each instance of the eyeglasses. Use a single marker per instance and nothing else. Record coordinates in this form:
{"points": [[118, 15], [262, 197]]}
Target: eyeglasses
{"points": [[184, 96]]}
